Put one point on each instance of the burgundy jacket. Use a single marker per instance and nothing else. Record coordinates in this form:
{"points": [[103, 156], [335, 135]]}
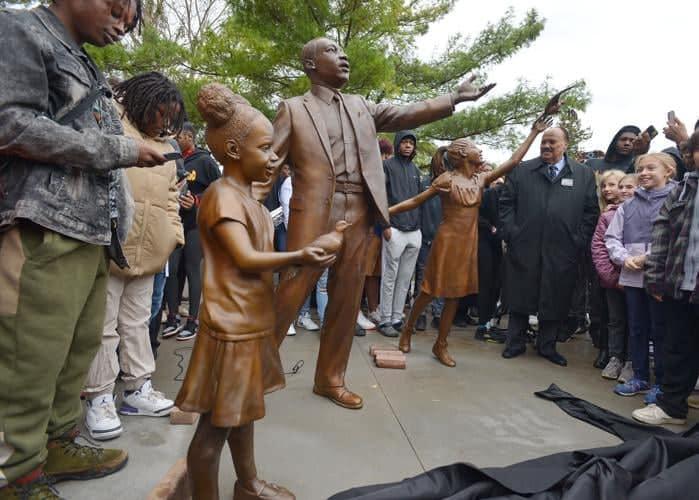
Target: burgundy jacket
{"points": [[608, 271]]}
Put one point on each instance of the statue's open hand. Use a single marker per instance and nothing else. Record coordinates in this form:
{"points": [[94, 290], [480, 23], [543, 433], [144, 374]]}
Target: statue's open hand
{"points": [[542, 123], [467, 91], [317, 256]]}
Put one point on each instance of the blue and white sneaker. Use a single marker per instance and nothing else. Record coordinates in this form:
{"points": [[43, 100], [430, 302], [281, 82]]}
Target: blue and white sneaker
{"points": [[146, 402], [632, 387], [652, 396]]}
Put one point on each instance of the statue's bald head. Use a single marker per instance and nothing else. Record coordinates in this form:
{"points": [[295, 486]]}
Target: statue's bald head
{"points": [[309, 51], [325, 63]]}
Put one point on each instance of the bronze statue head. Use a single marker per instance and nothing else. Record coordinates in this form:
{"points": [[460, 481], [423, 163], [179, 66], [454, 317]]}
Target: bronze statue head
{"points": [[325, 63], [237, 134]]}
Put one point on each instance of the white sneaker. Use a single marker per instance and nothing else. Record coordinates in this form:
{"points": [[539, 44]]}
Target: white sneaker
{"points": [[364, 322], [375, 316], [654, 415], [291, 331], [533, 321], [146, 401], [101, 418], [304, 321]]}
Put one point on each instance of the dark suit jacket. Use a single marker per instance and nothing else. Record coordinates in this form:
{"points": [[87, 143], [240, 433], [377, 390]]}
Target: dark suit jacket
{"points": [[301, 140]]}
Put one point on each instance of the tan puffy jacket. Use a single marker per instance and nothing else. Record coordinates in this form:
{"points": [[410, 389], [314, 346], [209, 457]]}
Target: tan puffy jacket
{"points": [[156, 227]]}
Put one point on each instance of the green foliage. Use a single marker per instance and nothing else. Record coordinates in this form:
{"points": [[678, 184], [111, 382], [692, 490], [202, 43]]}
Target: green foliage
{"points": [[254, 47]]}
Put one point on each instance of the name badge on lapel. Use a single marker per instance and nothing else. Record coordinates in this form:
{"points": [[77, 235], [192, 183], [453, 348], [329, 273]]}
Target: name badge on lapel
{"points": [[567, 182]]}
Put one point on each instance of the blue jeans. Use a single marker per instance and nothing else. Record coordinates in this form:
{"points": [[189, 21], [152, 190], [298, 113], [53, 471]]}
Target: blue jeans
{"points": [[646, 322], [158, 293], [321, 298]]}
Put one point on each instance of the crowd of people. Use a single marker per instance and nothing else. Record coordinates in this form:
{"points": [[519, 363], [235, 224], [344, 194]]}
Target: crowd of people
{"points": [[95, 256]]}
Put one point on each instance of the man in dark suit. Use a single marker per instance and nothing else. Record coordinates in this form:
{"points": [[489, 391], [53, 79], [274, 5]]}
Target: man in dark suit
{"points": [[329, 141], [548, 212]]}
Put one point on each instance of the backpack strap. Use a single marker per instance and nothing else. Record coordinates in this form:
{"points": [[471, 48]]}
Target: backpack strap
{"points": [[82, 106]]}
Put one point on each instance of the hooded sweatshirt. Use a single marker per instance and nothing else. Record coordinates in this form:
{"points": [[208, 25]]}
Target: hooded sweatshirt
{"points": [[612, 159], [202, 170], [402, 183], [629, 232]]}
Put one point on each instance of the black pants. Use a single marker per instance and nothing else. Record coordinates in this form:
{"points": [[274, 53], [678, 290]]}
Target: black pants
{"points": [[546, 338], [599, 314], [437, 303], [489, 280], [187, 259], [617, 327], [681, 356]]}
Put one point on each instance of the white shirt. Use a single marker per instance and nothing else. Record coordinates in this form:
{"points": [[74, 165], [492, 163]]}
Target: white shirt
{"points": [[284, 197]]}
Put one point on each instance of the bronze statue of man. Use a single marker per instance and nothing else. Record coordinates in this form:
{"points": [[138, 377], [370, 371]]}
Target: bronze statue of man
{"points": [[329, 140]]}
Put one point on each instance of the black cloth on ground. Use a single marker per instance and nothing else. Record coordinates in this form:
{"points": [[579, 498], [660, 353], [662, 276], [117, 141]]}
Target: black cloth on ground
{"points": [[655, 465], [622, 427]]}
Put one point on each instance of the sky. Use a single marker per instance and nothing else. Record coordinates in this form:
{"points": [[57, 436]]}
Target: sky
{"points": [[634, 57]]}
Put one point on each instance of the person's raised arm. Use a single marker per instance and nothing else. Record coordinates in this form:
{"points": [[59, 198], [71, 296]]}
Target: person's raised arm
{"points": [[538, 127], [233, 236]]}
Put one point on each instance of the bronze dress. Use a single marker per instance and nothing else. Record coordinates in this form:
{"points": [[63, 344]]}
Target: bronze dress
{"points": [[452, 266], [235, 359]]}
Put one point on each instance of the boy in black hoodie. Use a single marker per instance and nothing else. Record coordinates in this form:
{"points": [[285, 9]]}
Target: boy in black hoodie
{"points": [[402, 240]]}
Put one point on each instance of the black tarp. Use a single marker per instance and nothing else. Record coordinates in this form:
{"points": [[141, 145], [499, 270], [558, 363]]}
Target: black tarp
{"points": [[655, 465]]}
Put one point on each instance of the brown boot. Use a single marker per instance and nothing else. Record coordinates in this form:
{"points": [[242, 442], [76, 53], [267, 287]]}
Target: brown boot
{"points": [[440, 351], [265, 491], [68, 460], [404, 341]]}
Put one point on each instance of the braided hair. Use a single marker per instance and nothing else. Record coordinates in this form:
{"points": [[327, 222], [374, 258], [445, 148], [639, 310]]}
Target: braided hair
{"points": [[137, 22], [141, 96]]}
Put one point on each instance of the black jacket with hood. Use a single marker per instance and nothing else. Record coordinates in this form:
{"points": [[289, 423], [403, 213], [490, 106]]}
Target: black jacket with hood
{"points": [[202, 170], [403, 182], [611, 159]]}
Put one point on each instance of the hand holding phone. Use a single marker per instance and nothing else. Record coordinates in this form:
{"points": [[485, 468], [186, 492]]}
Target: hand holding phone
{"points": [[174, 155], [651, 131]]}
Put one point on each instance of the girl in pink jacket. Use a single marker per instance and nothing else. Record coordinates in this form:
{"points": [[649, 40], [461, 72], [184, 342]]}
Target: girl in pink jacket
{"points": [[614, 187]]}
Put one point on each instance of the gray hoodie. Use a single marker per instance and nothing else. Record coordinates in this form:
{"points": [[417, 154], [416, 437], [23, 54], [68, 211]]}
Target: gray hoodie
{"points": [[629, 232]]}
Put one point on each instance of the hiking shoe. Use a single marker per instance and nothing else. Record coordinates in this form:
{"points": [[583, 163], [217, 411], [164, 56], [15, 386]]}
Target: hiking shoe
{"points": [[421, 323], [291, 331], [652, 396], [40, 489], [101, 419], [364, 323], [626, 373], [189, 331], [388, 330], [632, 387], [146, 401], [304, 321], [481, 331], [172, 327], [613, 369], [68, 460], [654, 415]]}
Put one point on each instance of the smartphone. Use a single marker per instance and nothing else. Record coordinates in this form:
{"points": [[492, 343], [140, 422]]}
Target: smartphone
{"points": [[671, 117], [173, 156], [652, 132]]}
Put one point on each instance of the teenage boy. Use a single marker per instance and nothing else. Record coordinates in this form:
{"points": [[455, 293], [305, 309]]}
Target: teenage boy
{"points": [[63, 210]]}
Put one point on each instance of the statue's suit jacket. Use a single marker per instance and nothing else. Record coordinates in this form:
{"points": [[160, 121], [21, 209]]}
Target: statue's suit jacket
{"points": [[301, 141]]}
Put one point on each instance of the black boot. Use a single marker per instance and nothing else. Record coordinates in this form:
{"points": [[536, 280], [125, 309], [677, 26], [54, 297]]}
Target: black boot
{"points": [[602, 359]]}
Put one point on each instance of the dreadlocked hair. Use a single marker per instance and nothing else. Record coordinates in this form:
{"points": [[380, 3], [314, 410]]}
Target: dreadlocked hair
{"points": [[141, 96], [137, 23]]}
